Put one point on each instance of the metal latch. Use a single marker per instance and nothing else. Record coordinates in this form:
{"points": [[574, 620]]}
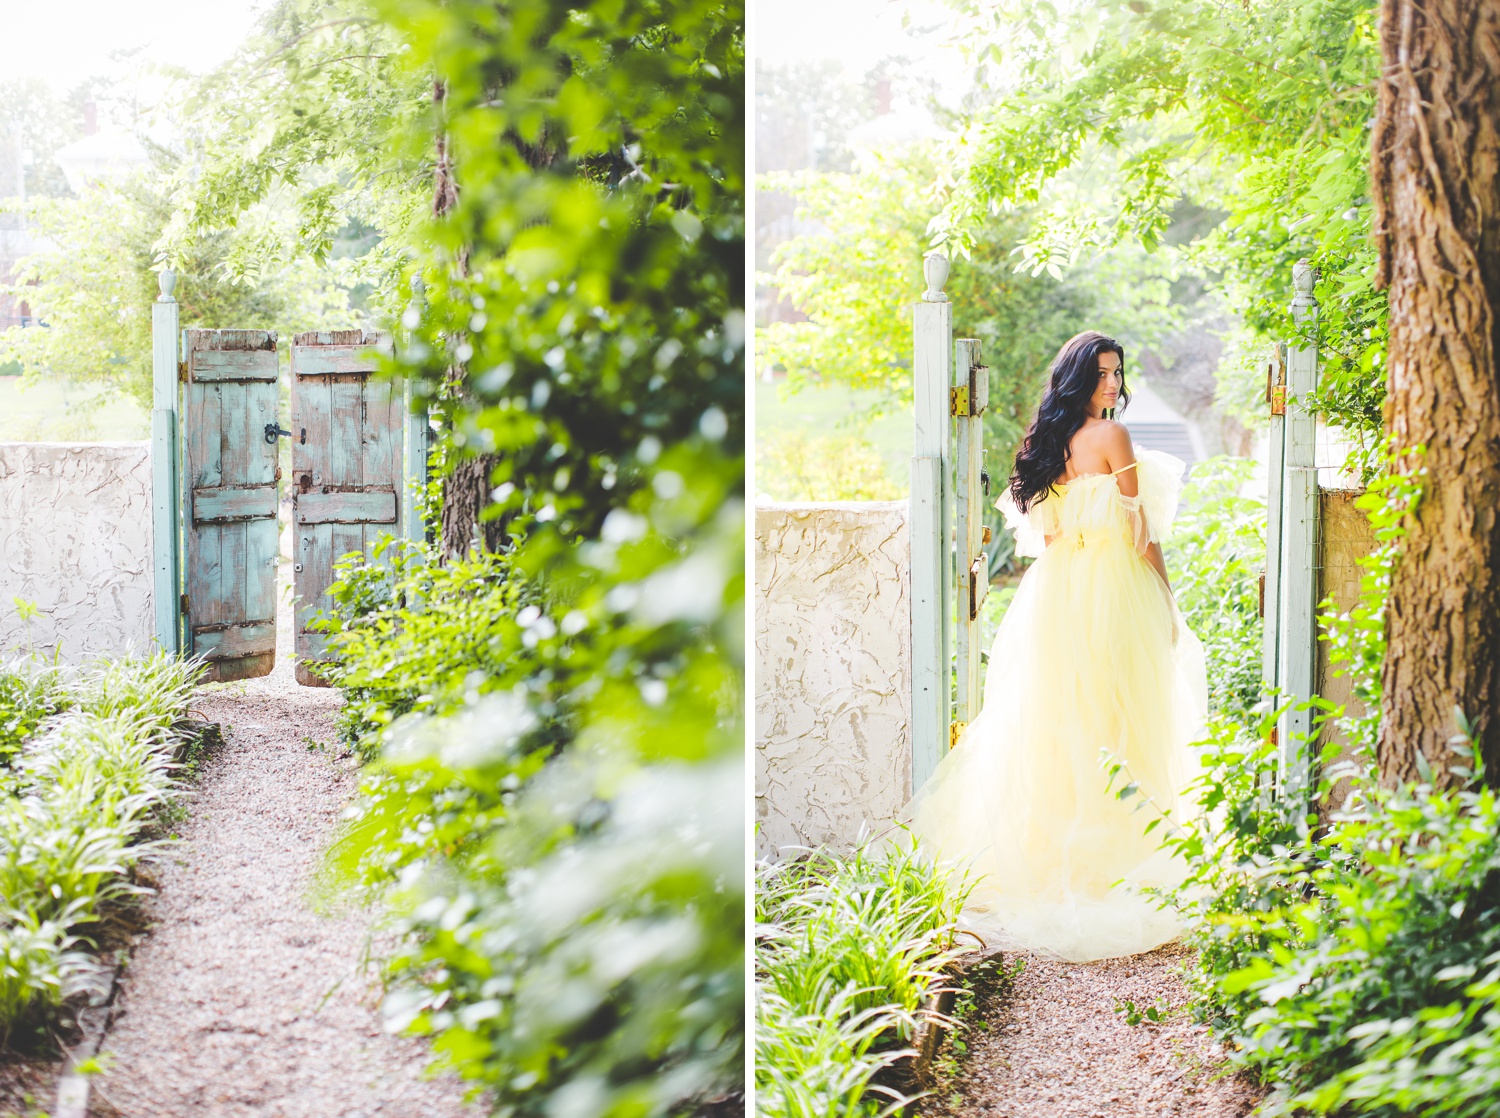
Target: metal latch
{"points": [[1276, 379], [275, 429]]}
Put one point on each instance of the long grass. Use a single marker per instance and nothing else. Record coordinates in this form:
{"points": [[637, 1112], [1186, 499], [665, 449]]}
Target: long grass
{"points": [[78, 794], [849, 951]]}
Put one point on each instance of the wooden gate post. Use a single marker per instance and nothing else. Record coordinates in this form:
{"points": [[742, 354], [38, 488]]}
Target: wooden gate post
{"points": [[418, 435], [969, 397], [418, 446], [1297, 590], [165, 514], [930, 523]]}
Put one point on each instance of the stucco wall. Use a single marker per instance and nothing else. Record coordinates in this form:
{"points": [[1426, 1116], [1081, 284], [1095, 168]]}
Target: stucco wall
{"points": [[75, 539], [833, 671], [1344, 538]]}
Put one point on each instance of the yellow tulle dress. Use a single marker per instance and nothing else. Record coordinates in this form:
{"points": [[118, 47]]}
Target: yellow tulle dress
{"points": [[1092, 669]]}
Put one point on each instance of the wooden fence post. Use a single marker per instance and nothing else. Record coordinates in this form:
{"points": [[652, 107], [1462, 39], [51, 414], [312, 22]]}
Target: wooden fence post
{"points": [[930, 524], [165, 513], [1270, 666], [1297, 651], [418, 433], [970, 396]]}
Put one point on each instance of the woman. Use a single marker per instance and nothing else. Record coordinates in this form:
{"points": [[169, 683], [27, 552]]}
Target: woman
{"points": [[1094, 685]]}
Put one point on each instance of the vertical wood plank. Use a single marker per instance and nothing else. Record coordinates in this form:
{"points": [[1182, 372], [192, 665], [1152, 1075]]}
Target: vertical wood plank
{"points": [[316, 542], [929, 702], [261, 553], [415, 473], [1298, 587], [166, 492], [968, 459], [233, 596], [203, 583], [311, 408], [346, 419], [932, 585], [204, 435]]}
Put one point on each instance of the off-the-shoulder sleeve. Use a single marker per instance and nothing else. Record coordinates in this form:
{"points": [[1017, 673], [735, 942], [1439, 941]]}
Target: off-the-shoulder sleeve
{"points": [[1159, 476], [1031, 527], [1031, 539]]}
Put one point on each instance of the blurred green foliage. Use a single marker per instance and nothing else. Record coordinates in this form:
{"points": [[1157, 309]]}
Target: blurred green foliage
{"points": [[554, 809], [1214, 556], [1258, 114], [88, 768]]}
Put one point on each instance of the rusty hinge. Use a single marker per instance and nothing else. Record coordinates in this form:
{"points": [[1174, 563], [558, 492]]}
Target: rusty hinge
{"points": [[976, 572], [1278, 399], [986, 535], [1260, 610], [958, 400], [955, 730], [182, 603]]}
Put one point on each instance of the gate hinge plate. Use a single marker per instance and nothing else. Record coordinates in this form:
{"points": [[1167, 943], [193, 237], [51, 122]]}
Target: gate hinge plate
{"points": [[1278, 399], [976, 582], [182, 603], [955, 729], [958, 400]]}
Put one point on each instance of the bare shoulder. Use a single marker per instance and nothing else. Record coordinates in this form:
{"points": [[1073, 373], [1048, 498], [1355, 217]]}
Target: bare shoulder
{"points": [[1108, 437]]}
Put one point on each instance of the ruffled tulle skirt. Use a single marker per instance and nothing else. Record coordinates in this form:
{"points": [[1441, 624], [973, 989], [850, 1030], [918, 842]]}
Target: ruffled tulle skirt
{"points": [[1094, 686]]}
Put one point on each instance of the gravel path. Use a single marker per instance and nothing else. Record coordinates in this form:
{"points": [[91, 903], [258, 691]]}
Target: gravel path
{"points": [[244, 1000], [1051, 1045]]}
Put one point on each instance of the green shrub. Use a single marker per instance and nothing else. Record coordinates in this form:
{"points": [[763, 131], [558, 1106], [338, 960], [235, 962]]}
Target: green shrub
{"points": [[848, 951], [1214, 556], [1355, 966], [411, 636], [82, 793], [30, 693]]}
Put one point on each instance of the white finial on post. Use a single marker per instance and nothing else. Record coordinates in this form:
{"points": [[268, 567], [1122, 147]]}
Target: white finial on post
{"points": [[935, 271], [166, 506], [1303, 278]]}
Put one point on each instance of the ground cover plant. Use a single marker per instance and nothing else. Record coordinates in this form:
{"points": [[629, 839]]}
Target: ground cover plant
{"points": [[550, 694], [1352, 964], [90, 766], [848, 953]]}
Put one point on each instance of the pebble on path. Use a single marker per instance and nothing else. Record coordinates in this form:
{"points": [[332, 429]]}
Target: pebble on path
{"points": [[1055, 1047], [246, 999]]}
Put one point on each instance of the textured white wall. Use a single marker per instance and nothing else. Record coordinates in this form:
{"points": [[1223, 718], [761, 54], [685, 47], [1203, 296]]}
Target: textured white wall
{"points": [[75, 538], [833, 671]]}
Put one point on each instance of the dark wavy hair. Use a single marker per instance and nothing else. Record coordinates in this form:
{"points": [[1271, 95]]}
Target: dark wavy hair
{"points": [[1043, 457]]}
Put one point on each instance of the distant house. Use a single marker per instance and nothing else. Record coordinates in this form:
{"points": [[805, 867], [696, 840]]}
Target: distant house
{"points": [[99, 156], [1155, 425]]}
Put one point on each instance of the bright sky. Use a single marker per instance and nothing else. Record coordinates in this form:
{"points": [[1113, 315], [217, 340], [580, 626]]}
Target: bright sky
{"points": [[858, 33], [65, 41]]}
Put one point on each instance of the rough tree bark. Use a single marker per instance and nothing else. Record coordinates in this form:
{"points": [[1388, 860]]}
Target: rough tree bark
{"points": [[1436, 172], [466, 488]]}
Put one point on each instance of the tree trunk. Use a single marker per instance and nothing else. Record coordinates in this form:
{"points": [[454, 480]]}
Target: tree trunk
{"points": [[1436, 172], [466, 488]]}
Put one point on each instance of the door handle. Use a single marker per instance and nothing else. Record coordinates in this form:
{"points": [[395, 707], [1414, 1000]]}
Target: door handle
{"points": [[273, 430]]}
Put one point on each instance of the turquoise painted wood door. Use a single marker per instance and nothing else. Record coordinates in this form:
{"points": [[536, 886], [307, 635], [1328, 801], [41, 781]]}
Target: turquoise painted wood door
{"points": [[347, 430], [229, 500]]}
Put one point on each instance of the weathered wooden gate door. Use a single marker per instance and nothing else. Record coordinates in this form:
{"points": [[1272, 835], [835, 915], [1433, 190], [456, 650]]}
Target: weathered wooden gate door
{"points": [[229, 498], [347, 431]]}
